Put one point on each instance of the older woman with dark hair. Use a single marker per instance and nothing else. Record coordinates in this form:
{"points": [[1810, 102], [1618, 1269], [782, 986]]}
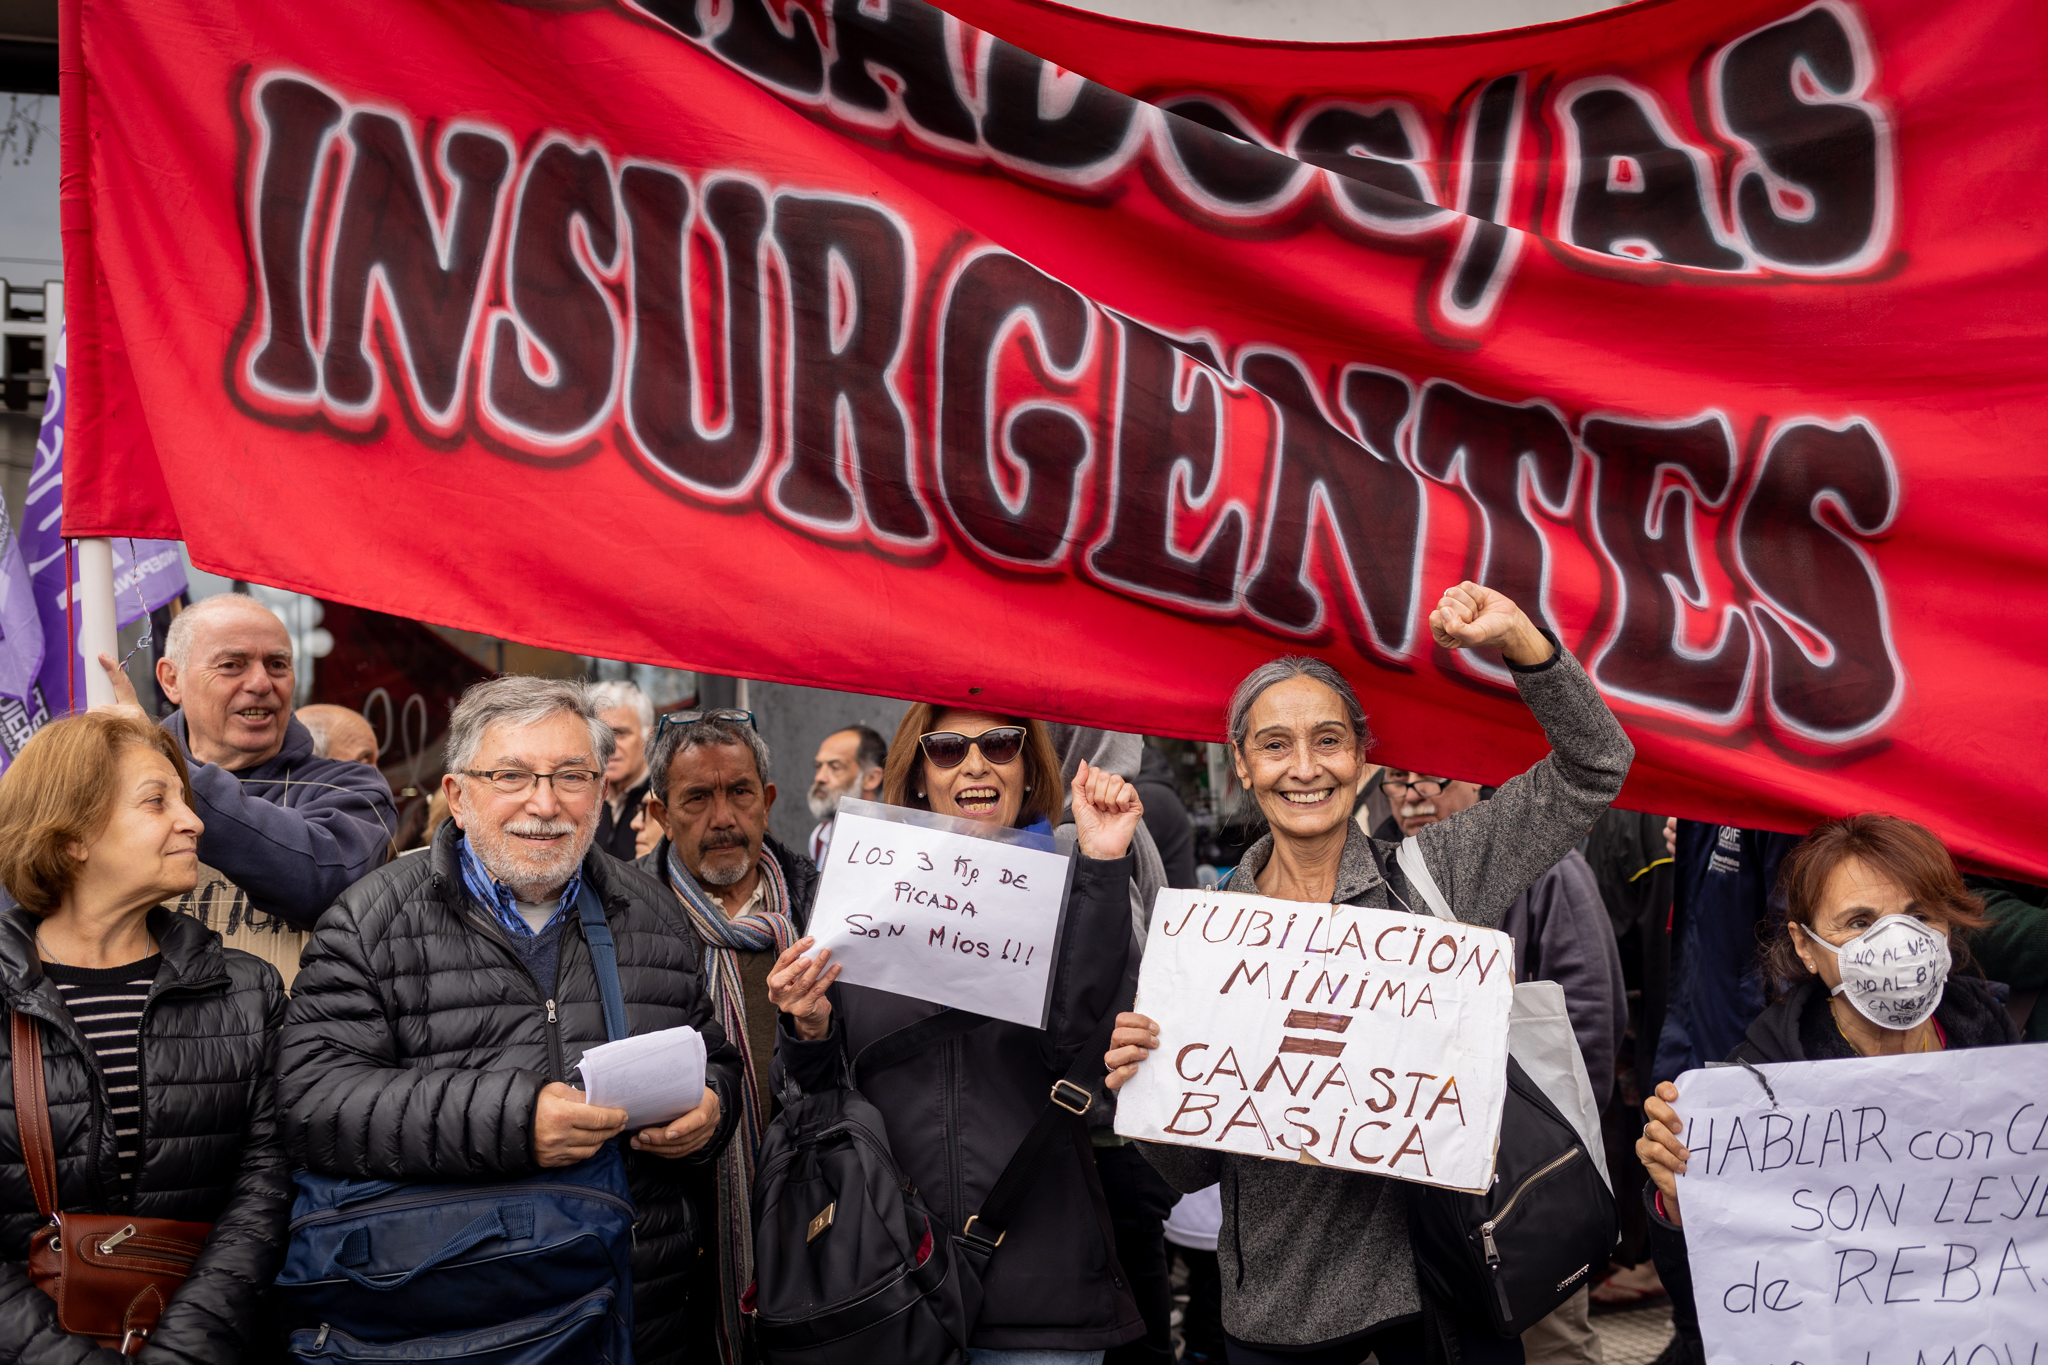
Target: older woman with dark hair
{"points": [[1317, 1264], [1053, 1293], [1873, 906], [159, 1046]]}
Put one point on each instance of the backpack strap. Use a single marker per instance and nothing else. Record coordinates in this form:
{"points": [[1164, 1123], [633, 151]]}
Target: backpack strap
{"points": [[906, 1042], [1412, 865], [604, 960], [1067, 1104]]}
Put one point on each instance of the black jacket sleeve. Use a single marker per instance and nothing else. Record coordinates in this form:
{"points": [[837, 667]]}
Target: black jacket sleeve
{"points": [[814, 1065], [29, 1334], [351, 1110], [211, 1316], [1095, 945], [1674, 1268]]}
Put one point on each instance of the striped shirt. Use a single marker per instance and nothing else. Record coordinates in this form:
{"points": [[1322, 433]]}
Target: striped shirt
{"points": [[106, 1005]]}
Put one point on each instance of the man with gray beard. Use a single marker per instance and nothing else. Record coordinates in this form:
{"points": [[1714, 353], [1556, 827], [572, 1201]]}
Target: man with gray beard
{"points": [[444, 1001], [849, 763], [746, 898]]}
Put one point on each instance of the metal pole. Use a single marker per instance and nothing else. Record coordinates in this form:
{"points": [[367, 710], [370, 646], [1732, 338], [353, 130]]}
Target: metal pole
{"points": [[96, 631]]}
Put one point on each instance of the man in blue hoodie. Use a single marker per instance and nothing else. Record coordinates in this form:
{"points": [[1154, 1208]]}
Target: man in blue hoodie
{"points": [[290, 830]]}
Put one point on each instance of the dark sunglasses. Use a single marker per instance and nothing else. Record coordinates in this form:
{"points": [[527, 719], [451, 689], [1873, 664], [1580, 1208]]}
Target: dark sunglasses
{"points": [[948, 748], [681, 718]]}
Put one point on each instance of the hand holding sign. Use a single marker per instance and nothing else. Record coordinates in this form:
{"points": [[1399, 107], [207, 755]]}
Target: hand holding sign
{"points": [[1130, 1043], [797, 986], [1659, 1149]]}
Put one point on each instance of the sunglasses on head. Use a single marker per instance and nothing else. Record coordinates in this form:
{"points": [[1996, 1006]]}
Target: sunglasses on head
{"points": [[682, 718], [948, 748]]}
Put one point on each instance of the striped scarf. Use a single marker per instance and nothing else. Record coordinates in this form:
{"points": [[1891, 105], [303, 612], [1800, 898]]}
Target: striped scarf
{"points": [[770, 929]]}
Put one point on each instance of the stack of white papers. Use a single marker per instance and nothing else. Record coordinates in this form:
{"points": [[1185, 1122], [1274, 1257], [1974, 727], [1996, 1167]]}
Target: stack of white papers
{"points": [[655, 1077]]}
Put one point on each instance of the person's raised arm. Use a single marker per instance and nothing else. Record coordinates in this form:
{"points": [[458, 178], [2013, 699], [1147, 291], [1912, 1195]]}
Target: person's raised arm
{"points": [[1095, 943], [1482, 858], [294, 861]]}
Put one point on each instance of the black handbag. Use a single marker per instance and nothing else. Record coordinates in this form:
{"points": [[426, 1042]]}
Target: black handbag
{"points": [[1545, 1225], [851, 1267]]}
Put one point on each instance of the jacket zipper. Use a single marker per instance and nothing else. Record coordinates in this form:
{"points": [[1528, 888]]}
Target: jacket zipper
{"points": [[557, 1062], [555, 1057]]}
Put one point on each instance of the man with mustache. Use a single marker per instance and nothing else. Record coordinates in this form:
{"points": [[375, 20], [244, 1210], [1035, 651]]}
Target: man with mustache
{"points": [[748, 898], [445, 1000], [849, 763], [1562, 933]]}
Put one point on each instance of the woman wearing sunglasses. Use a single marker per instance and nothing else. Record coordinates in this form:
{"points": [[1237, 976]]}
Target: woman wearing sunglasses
{"points": [[1054, 1293]]}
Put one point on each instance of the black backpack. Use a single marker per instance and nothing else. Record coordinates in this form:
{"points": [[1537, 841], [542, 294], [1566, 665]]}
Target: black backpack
{"points": [[851, 1266], [1545, 1225]]}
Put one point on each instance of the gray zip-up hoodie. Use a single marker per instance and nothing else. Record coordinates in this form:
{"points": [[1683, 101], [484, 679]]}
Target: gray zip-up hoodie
{"points": [[1310, 1254]]}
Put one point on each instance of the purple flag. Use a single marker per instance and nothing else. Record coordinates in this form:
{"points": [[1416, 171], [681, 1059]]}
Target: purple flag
{"points": [[21, 647], [147, 573]]}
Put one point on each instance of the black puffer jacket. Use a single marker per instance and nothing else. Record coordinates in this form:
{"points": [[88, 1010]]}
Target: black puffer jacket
{"points": [[957, 1114], [1800, 1027], [210, 1146], [417, 1043]]}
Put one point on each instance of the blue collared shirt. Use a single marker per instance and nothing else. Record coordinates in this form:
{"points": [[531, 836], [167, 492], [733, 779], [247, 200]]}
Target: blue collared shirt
{"points": [[488, 891]]}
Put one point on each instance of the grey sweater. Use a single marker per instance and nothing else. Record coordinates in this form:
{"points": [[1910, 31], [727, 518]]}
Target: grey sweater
{"points": [[1311, 1254]]}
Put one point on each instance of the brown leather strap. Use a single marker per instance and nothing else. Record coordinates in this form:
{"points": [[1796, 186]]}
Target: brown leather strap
{"points": [[32, 1114]]}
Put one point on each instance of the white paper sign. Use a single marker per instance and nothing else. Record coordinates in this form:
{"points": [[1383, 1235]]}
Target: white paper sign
{"points": [[1883, 1211], [942, 909], [1339, 1035]]}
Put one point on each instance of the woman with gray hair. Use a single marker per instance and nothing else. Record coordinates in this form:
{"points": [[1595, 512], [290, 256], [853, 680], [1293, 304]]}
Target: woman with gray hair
{"points": [[1317, 1265]]}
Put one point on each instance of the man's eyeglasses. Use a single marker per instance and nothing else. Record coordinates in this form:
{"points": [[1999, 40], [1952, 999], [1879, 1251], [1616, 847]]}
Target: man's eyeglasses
{"points": [[518, 781], [1392, 784], [681, 718], [948, 748]]}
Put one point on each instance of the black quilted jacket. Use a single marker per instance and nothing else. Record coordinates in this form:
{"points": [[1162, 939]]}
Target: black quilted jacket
{"points": [[210, 1146], [417, 1043]]}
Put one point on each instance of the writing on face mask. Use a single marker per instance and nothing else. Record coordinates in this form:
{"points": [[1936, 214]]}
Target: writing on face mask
{"points": [[1893, 973]]}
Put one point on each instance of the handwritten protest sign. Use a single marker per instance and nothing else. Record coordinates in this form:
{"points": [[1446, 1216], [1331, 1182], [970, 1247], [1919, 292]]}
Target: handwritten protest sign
{"points": [[943, 909], [1880, 1211], [1332, 1034]]}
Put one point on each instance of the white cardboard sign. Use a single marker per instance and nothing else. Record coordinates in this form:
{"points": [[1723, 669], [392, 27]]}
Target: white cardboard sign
{"points": [[1338, 1035], [943, 909], [1870, 1211]]}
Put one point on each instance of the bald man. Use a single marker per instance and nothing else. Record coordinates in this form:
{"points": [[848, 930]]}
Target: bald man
{"points": [[339, 733], [291, 829]]}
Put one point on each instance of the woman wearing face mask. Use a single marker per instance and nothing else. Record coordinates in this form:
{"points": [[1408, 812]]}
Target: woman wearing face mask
{"points": [[1053, 1293], [1317, 1264], [1872, 903]]}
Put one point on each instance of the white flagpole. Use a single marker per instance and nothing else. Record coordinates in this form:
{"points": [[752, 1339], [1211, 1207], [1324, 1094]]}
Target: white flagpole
{"points": [[96, 633]]}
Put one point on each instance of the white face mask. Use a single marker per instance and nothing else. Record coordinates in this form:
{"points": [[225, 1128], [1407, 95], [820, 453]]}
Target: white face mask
{"points": [[1893, 972]]}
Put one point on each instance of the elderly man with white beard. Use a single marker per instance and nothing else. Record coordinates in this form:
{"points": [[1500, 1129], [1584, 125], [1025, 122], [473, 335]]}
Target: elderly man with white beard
{"points": [[445, 1001], [849, 764]]}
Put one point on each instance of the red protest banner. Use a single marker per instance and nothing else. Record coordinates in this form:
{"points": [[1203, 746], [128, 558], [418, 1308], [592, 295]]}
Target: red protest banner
{"points": [[853, 345]]}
